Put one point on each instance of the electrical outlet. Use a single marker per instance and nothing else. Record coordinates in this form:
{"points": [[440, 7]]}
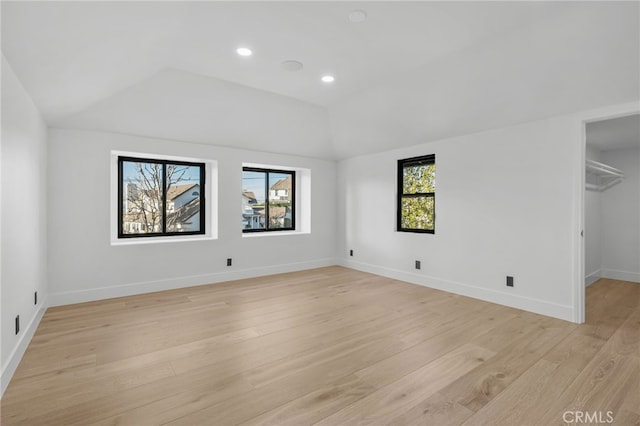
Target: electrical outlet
{"points": [[35, 298], [17, 324], [350, 252], [509, 281], [418, 264], [229, 262]]}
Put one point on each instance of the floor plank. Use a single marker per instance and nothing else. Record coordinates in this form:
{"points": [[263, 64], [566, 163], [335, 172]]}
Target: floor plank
{"points": [[387, 403]]}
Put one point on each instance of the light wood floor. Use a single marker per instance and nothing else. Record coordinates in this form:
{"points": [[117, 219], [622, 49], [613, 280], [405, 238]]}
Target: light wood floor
{"points": [[330, 346]]}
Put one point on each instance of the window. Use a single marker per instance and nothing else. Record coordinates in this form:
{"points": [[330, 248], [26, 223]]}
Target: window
{"points": [[268, 200], [160, 197], [417, 194]]}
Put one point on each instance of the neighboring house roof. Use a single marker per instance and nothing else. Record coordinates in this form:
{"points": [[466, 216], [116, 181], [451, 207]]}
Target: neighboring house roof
{"points": [[177, 190], [282, 184], [185, 212], [250, 195]]}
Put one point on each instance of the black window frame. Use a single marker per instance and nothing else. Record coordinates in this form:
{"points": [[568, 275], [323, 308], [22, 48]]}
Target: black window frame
{"points": [[164, 162], [408, 162], [266, 201]]}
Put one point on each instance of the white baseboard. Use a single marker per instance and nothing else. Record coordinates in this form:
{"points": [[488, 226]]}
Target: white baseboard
{"points": [[564, 312], [621, 275], [101, 293], [592, 277], [9, 368]]}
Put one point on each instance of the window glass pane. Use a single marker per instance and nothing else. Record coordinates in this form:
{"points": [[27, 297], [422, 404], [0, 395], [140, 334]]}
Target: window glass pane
{"points": [[141, 197], [280, 196], [183, 198], [417, 213], [419, 179], [253, 200]]}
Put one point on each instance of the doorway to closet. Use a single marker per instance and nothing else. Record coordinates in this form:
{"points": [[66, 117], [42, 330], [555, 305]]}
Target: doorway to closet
{"points": [[612, 213]]}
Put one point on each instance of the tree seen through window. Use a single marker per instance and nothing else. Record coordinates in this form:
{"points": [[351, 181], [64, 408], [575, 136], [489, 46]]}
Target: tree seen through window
{"points": [[416, 194]]}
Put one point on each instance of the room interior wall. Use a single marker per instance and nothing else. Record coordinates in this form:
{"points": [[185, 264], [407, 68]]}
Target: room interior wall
{"points": [[504, 206], [593, 227], [621, 217], [84, 265], [23, 226]]}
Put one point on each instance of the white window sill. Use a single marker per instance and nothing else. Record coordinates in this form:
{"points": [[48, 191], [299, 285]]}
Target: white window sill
{"points": [[272, 234], [158, 240]]}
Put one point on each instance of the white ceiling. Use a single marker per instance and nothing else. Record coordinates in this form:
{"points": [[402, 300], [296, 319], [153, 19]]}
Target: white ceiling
{"points": [[412, 72], [615, 133]]}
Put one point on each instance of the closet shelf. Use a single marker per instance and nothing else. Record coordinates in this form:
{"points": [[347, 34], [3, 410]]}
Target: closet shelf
{"points": [[601, 177]]}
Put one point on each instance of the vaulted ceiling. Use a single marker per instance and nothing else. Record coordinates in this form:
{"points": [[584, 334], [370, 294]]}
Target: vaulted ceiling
{"points": [[410, 73]]}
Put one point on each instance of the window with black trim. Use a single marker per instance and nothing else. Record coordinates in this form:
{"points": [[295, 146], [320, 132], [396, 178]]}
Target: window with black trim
{"points": [[158, 198], [417, 194], [268, 200]]}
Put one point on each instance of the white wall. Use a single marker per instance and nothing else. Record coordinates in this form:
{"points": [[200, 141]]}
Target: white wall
{"points": [[505, 205], [85, 266], [24, 210], [593, 227], [621, 218]]}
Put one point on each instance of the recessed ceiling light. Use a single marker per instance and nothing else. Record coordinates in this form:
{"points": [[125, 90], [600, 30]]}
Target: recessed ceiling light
{"points": [[357, 16], [243, 51], [292, 65], [328, 78]]}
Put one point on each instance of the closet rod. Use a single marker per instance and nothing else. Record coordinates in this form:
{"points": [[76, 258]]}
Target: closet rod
{"points": [[603, 169], [605, 175]]}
